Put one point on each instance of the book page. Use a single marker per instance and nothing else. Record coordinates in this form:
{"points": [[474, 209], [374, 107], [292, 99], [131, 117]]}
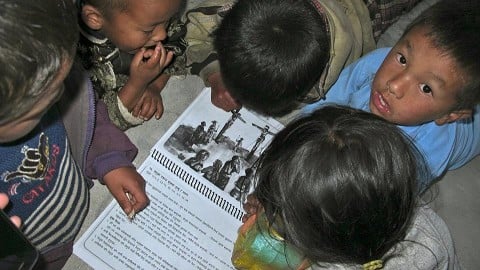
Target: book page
{"points": [[196, 180]]}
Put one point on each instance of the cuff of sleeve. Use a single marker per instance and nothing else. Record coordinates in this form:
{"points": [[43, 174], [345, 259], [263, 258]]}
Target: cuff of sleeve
{"points": [[128, 116], [108, 162]]}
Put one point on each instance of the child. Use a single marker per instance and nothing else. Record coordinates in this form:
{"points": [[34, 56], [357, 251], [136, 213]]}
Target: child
{"points": [[277, 54], [121, 47], [51, 150], [330, 197], [428, 84]]}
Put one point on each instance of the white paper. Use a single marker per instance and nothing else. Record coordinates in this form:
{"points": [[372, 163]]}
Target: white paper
{"points": [[190, 223]]}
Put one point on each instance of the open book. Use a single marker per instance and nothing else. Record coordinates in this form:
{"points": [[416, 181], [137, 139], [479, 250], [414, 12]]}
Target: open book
{"points": [[196, 175]]}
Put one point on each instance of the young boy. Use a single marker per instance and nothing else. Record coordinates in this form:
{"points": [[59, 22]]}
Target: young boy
{"points": [[428, 84], [51, 150], [121, 47], [277, 54]]}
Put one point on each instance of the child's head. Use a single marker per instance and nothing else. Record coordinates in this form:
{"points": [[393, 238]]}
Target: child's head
{"points": [[130, 24], [433, 72], [37, 45], [339, 185], [272, 52]]}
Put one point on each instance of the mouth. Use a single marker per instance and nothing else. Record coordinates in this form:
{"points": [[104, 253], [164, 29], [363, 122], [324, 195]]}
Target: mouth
{"points": [[379, 102]]}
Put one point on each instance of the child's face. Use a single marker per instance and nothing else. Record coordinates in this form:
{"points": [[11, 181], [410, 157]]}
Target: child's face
{"points": [[416, 83], [143, 24], [21, 126]]}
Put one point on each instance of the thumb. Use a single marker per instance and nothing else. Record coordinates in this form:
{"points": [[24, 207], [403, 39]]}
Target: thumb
{"points": [[125, 203]]}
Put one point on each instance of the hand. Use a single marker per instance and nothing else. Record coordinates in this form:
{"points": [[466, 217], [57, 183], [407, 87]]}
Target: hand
{"points": [[3, 203], [251, 207], [147, 64], [150, 104], [151, 101], [220, 95], [127, 180]]}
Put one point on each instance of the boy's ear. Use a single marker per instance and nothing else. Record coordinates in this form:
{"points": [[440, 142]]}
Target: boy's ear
{"points": [[453, 116], [92, 17]]}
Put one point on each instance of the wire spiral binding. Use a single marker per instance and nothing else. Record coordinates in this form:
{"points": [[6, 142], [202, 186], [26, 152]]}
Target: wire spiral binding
{"points": [[197, 185]]}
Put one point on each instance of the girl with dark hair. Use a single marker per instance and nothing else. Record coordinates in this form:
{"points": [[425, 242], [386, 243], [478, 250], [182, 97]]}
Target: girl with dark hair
{"points": [[338, 189]]}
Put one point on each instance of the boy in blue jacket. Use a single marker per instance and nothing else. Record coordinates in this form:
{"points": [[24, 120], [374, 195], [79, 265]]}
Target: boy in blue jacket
{"points": [[428, 84]]}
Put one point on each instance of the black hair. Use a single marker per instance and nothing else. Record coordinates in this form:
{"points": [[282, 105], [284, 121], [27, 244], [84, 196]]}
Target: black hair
{"points": [[106, 7], [36, 38], [343, 182], [272, 52], [454, 27]]}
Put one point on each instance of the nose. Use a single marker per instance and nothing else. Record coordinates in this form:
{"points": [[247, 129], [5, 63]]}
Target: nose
{"points": [[159, 33], [398, 85]]}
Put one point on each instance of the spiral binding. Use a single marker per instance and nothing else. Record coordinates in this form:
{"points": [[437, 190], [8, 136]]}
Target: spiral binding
{"points": [[197, 185]]}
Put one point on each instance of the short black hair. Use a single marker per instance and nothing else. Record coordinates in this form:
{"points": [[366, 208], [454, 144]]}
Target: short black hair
{"points": [[106, 7], [343, 182], [453, 27], [272, 52], [36, 38]]}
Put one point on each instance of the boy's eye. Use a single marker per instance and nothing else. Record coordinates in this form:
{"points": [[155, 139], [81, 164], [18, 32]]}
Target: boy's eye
{"points": [[148, 32], [425, 88], [401, 59]]}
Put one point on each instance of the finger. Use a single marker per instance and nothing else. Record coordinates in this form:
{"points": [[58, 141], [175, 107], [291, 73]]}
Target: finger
{"points": [[245, 217], [149, 112], [139, 199], [253, 200], [155, 58], [159, 111], [126, 202], [16, 220], [165, 60], [148, 53], [249, 208], [138, 107], [3, 200], [145, 109], [138, 58]]}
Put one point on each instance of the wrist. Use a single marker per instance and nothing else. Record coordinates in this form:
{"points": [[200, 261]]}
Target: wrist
{"points": [[130, 94]]}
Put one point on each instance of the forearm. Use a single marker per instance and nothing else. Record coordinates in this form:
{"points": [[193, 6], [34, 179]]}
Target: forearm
{"points": [[131, 93], [159, 83]]}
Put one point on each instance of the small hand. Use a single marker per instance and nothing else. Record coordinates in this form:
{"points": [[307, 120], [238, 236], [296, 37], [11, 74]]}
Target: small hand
{"points": [[150, 104], [220, 95], [251, 207], [127, 180], [3, 203], [146, 66], [151, 101]]}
